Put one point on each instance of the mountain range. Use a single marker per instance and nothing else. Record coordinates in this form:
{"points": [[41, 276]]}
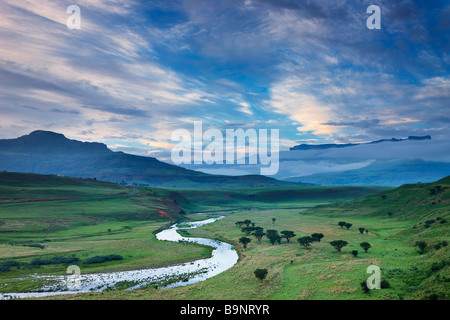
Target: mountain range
{"points": [[344, 145], [47, 152]]}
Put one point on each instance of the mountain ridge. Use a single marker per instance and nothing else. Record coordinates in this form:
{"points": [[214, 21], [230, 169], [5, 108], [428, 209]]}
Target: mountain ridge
{"points": [[47, 152], [334, 145]]}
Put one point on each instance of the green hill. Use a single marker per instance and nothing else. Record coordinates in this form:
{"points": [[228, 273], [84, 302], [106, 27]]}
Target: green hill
{"points": [[46, 152], [401, 218]]}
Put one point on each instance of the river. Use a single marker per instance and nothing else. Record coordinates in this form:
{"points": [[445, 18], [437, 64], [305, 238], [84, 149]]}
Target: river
{"points": [[223, 257]]}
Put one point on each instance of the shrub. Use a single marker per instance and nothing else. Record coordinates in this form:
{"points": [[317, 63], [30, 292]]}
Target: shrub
{"points": [[384, 284], [54, 260], [261, 274], [355, 253], [364, 287], [422, 246], [100, 259], [436, 266]]}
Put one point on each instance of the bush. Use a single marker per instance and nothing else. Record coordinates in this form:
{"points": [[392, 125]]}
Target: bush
{"points": [[261, 274], [384, 284], [54, 260], [100, 259], [355, 253], [436, 266], [422, 246], [7, 265]]}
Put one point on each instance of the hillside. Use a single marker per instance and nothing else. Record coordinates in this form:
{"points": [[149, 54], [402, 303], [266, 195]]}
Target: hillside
{"points": [[412, 202], [45, 152], [401, 219], [382, 173]]}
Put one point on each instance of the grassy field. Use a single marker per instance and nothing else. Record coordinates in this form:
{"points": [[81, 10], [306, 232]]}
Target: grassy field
{"points": [[320, 271], [110, 219], [49, 216]]}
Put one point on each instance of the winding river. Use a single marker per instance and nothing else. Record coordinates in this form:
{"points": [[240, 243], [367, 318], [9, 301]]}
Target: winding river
{"points": [[223, 257]]}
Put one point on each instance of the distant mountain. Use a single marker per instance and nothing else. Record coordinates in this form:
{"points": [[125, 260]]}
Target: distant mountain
{"points": [[332, 145], [46, 152], [382, 173]]}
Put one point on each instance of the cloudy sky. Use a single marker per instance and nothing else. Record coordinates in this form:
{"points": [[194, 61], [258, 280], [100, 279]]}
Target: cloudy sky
{"points": [[138, 70]]}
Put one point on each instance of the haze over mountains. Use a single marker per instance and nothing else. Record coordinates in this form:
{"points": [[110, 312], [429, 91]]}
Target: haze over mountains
{"points": [[386, 162], [46, 152]]}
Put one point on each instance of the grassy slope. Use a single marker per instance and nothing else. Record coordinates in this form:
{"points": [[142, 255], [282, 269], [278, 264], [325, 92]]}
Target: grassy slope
{"points": [[280, 197], [321, 272], [85, 218], [316, 273]]}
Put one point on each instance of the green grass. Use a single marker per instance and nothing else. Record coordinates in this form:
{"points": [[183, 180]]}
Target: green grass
{"points": [[84, 218], [124, 224], [320, 272]]}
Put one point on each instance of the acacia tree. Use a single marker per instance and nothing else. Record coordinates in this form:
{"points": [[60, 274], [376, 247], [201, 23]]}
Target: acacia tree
{"points": [[348, 225], [317, 236], [342, 223], [259, 234], [239, 223], [361, 230], [365, 245], [273, 220], [245, 241], [338, 244], [247, 230], [261, 274], [273, 236], [288, 235], [305, 241], [247, 222]]}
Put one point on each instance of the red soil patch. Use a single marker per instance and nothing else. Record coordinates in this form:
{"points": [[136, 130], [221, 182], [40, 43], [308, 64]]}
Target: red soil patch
{"points": [[164, 214]]}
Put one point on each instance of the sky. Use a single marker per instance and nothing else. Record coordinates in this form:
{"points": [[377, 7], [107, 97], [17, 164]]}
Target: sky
{"points": [[138, 70]]}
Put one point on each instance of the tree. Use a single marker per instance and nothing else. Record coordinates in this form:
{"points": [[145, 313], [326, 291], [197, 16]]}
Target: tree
{"points": [[361, 230], [261, 274], [258, 234], [288, 234], [317, 236], [239, 223], [245, 241], [247, 222], [365, 245], [348, 225], [273, 220], [247, 230], [305, 241], [338, 244], [355, 253], [342, 223], [273, 236], [422, 246]]}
